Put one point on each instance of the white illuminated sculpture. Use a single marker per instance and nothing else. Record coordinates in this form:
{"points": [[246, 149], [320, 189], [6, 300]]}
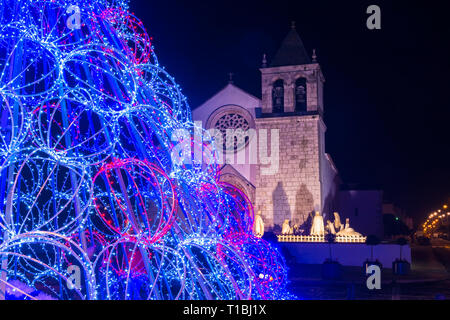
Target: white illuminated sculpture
{"points": [[286, 228], [348, 231], [317, 228], [330, 227], [259, 225], [343, 233], [337, 222]]}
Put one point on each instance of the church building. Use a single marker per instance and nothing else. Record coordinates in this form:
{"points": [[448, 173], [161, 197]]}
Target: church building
{"points": [[288, 124]]}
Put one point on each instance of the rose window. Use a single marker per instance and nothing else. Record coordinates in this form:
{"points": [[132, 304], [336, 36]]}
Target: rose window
{"points": [[240, 127]]}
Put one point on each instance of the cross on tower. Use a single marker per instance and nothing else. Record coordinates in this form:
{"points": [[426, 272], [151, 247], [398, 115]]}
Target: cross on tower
{"points": [[230, 80]]}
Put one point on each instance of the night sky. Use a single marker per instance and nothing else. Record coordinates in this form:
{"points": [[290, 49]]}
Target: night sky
{"points": [[386, 91]]}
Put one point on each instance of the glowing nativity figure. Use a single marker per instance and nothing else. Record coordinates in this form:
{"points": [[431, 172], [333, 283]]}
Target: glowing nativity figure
{"points": [[286, 228], [338, 226], [348, 231], [317, 228], [259, 226]]}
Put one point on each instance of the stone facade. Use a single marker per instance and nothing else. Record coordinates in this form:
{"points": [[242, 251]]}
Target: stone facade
{"points": [[294, 191]]}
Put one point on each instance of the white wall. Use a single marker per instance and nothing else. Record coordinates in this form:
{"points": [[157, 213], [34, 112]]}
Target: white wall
{"points": [[230, 95], [347, 254], [228, 99]]}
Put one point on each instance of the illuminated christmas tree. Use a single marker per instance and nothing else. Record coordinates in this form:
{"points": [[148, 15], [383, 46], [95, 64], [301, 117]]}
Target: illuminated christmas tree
{"points": [[94, 200]]}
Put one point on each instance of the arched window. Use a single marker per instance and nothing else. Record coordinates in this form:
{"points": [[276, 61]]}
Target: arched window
{"points": [[300, 95], [278, 96]]}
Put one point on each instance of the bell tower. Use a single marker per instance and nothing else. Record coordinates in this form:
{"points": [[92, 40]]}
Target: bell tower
{"points": [[292, 103], [293, 83]]}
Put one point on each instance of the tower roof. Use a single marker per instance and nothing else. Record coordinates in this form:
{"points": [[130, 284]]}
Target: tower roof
{"points": [[292, 51]]}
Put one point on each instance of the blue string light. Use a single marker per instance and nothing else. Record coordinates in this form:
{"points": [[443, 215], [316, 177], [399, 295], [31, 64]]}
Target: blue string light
{"points": [[92, 203]]}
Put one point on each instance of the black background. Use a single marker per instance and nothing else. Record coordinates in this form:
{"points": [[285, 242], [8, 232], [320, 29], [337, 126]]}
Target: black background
{"points": [[274, 309]]}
